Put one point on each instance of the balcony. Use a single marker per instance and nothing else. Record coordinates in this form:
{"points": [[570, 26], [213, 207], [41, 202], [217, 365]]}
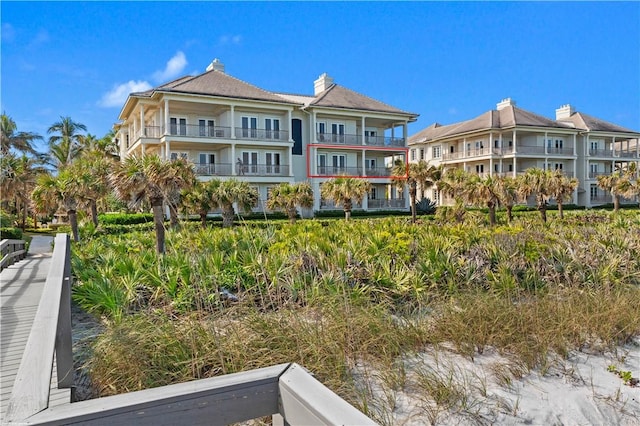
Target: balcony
{"points": [[261, 134], [560, 151], [226, 169], [601, 153], [593, 175], [356, 140], [386, 204], [215, 132], [628, 154], [339, 171], [198, 131]]}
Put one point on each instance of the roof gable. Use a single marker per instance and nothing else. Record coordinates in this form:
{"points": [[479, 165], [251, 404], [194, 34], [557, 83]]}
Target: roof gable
{"points": [[594, 124]]}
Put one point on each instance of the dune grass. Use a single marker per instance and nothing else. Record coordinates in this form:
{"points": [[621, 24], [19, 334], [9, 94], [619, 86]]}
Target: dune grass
{"points": [[334, 296]]}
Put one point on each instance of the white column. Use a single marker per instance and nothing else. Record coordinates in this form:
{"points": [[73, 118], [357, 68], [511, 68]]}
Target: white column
{"points": [[575, 141], [587, 152], [290, 155], [515, 150], [362, 136], [491, 165], [167, 149], [290, 127], [490, 151], [142, 127], [166, 120], [500, 142], [143, 146], [123, 144], [233, 156], [404, 132], [233, 129], [546, 149], [362, 162], [464, 147], [515, 167], [314, 131], [162, 152]]}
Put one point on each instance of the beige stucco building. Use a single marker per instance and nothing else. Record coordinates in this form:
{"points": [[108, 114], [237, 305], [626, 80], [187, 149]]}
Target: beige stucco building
{"points": [[508, 140]]}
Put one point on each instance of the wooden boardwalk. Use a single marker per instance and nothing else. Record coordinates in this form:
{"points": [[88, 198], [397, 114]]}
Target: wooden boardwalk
{"points": [[21, 288]]}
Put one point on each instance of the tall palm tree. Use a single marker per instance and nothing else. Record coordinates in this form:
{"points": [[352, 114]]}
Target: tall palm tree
{"points": [[232, 191], [416, 175], [67, 145], [62, 191], [288, 197], [184, 178], [147, 177], [12, 139], [343, 190], [452, 184], [561, 189], [506, 188], [483, 192], [618, 184], [18, 176], [536, 181], [201, 198]]}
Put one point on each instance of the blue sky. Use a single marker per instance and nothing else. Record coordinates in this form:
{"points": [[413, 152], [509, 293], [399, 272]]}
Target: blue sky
{"points": [[447, 61]]}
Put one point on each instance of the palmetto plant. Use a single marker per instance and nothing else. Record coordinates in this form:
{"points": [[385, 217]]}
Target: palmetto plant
{"points": [[536, 182], [61, 191], [452, 184], [418, 175], [507, 190], [18, 175], [91, 171], [201, 199], [561, 188], [619, 184], [288, 197], [343, 191], [149, 178], [229, 192], [483, 191]]}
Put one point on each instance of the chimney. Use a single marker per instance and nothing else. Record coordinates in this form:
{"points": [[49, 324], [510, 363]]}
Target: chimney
{"points": [[322, 83], [216, 65], [505, 103], [564, 112]]}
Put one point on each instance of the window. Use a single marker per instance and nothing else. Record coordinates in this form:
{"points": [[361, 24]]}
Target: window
{"points": [[337, 132], [559, 143], [206, 163], [452, 149], [322, 164], [176, 155], [421, 154], [322, 130], [206, 158], [370, 164], [272, 128], [594, 145], [436, 196], [480, 168], [373, 193], [510, 167], [496, 168], [206, 128], [558, 166], [593, 192], [249, 127], [339, 163], [178, 126], [479, 145], [549, 143], [413, 155], [496, 143], [437, 152], [370, 136], [249, 163], [273, 162]]}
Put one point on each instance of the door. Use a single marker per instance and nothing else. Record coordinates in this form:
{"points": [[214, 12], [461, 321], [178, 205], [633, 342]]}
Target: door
{"points": [[322, 164], [249, 127], [337, 133], [273, 162], [249, 162]]}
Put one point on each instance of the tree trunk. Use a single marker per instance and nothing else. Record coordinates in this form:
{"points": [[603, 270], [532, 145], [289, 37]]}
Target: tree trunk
{"points": [[616, 202], [73, 220], [509, 213], [173, 216], [542, 208], [203, 219], [291, 214], [413, 192], [492, 215], [560, 211], [347, 209], [94, 212], [227, 216], [158, 222]]}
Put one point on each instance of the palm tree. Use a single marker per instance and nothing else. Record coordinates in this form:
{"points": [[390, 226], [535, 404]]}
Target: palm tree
{"points": [[536, 182], [288, 197], [452, 184], [416, 175], [561, 189], [200, 197], [62, 191], [506, 188], [149, 178], [228, 192], [343, 190], [91, 171], [18, 177], [618, 184], [483, 192], [67, 145], [184, 177], [12, 139]]}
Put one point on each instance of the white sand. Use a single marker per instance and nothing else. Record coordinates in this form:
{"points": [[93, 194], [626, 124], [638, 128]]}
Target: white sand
{"points": [[574, 391]]}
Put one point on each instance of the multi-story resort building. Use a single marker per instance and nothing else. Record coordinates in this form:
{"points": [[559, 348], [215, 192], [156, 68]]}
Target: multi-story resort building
{"points": [[509, 140], [232, 129]]}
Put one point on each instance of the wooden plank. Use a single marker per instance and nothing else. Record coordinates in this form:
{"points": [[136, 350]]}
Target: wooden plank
{"points": [[31, 388], [216, 401], [64, 351], [306, 401]]}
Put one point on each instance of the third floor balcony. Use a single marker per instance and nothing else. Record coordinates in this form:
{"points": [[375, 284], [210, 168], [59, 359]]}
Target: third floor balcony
{"points": [[343, 139], [215, 132]]}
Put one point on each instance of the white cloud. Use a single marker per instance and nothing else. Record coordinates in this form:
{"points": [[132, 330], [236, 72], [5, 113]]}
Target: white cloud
{"points": [[174, 67], [118, 95]]}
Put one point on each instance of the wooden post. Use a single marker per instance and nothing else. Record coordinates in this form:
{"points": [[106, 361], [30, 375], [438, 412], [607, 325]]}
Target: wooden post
{"points": [[64, 356]]}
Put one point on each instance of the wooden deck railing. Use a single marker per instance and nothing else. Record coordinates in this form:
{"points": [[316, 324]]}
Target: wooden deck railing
{"points": [[51, 331], [286, 391], [11, 251]]}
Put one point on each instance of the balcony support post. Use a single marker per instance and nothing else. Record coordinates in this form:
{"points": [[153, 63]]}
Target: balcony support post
{"points": [[166, 121], [234, 172], [515, 149], [290, 159], [404, 132], [362, 124], [587, 150], [142, 127], [545, 143], [575, 139], [515, 168], [233, 130], [314, 130], [167, 149], [491, 165], [289, 124]]}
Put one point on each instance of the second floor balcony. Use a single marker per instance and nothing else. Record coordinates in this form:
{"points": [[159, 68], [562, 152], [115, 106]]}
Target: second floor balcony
{"points": [[214, 132], [328, 171], [355, 140], [228, 169]]}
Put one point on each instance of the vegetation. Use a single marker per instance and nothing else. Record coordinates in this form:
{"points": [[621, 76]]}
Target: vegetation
{"points": [[333, 294], [416, 175], [288, 197], [343, 190]]}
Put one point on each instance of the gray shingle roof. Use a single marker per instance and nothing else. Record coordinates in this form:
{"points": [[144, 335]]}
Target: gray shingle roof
{"points": [[337, 96], [594, 124]]}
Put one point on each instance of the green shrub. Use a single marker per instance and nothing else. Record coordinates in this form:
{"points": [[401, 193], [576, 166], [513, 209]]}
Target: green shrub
{"points": [[362, 213], [10, 234], [124, 218]]}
